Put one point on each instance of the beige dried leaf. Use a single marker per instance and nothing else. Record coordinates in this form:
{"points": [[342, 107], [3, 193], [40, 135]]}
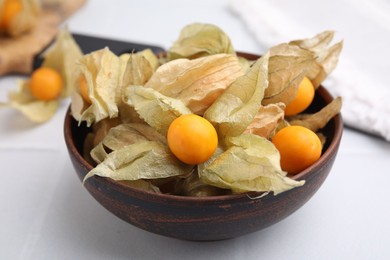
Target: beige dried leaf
{"points": [[199, 40], [197, 83], [287, 66], [37, 111], [101, 70], [266, 120], [62, 57], [319, 119]]}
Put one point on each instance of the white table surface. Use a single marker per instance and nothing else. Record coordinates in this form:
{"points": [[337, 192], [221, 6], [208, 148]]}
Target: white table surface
{"points": [[45, 213]]}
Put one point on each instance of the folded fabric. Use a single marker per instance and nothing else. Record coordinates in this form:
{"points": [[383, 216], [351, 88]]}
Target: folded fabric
{"points": [[366, 103]]}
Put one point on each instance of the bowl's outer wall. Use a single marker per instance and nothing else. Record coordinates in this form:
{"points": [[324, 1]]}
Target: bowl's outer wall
{"points": [[203, 220], [212, 218]]}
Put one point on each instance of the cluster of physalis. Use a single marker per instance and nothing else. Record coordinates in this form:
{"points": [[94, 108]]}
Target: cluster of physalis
{"points": [[200, 119]]}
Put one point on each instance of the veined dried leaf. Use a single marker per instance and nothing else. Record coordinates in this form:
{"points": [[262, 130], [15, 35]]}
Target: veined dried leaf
{"points": [[236, 108], [123, 135], [101, 70], [197, 40], [326, 56], [287, 67], [123, 60], [329, 57], [138, 68], [25, 20], [141, 160], [193, 186], [35, 110], [245, 63], [266, 120], [251, 163], [317, 44], [198, 82], [62, 57], [78, 105], [156, 109], [99, 153], [318, 120]]}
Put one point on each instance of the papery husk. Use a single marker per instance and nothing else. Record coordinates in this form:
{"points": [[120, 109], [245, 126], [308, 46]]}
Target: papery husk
{"points": [[319, 119], [133, 152], [154, 108], [266, 120], [251, 163], [287, 66], [101, 70], [23, 21], [122, 135], [326, 56], [141, 160], [246, 113], [245, 63], [62, 57], [35, 110], [137, 70], [125, 134], [140, 67], [193, 186], [197, 83], [199, 40], [236, 108]]}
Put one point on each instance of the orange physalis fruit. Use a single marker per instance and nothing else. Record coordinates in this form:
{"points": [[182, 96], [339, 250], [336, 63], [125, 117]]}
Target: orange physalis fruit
{"points": [[84, 89], [46, 84], [298, 146], [302, 100], [11, 8], [192, 139]]}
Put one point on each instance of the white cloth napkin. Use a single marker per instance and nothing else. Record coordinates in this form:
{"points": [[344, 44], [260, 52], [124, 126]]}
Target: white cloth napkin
{"points": [[366, 99]]}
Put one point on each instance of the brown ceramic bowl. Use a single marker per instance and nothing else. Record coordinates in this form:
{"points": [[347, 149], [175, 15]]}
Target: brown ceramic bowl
{"points": [[207, 218]]}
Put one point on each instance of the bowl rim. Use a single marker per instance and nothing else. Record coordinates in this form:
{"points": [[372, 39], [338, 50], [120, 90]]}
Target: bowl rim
{"points": [[326, 156]]}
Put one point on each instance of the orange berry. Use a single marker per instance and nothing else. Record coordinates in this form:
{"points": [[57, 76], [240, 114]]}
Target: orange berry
{"points": [[302, 100], [11, 8], [192, 139], [84, 89], [299, 147], [46, 84]]}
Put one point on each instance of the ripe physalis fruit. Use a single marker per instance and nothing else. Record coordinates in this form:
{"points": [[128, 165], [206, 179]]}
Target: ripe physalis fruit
{"points": [[46, 84], [303, 98], [192, 139], [84, 89], [299, 148], [11, 8]]}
